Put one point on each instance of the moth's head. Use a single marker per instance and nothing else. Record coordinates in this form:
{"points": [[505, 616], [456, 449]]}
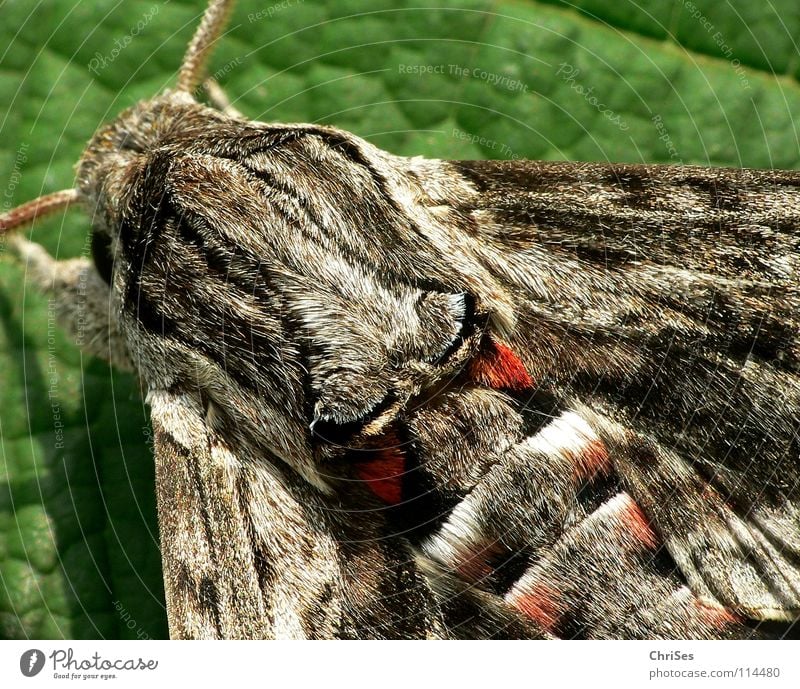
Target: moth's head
{"points": [[118, 150], [113, 150]]}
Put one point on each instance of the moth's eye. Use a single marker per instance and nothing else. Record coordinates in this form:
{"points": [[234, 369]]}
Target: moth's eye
{"points": [[101, 255]]}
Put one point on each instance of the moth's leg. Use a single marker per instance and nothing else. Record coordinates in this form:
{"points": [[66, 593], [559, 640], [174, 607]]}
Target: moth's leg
{"points": [[219, 99], [81, 300]]}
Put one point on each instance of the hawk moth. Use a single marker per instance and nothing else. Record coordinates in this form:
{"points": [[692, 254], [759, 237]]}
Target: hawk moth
{"points": [[405, 397]]}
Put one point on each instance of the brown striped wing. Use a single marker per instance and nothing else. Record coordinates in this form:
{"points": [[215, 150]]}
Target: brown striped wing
{"points": [[646, 482]]}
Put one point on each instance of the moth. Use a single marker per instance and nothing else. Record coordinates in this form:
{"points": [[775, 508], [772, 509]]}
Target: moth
{"points": [[408, 398]]}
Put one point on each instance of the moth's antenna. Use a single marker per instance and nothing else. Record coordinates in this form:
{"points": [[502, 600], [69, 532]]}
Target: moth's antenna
{"points": [[44, 205], [199, 50]]}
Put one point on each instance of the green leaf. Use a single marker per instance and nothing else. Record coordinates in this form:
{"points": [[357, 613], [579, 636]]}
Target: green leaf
{"points": [[674, 81]]}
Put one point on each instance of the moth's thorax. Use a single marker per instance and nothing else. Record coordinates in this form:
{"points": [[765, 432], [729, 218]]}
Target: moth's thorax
{"points": [[229, 270]]}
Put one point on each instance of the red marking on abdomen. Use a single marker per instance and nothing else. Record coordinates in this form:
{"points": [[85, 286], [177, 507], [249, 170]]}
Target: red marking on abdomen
{"points": [[591, 461], [383, 474], [540, 604], [715, 615], [496, 366], [635, 521]]}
